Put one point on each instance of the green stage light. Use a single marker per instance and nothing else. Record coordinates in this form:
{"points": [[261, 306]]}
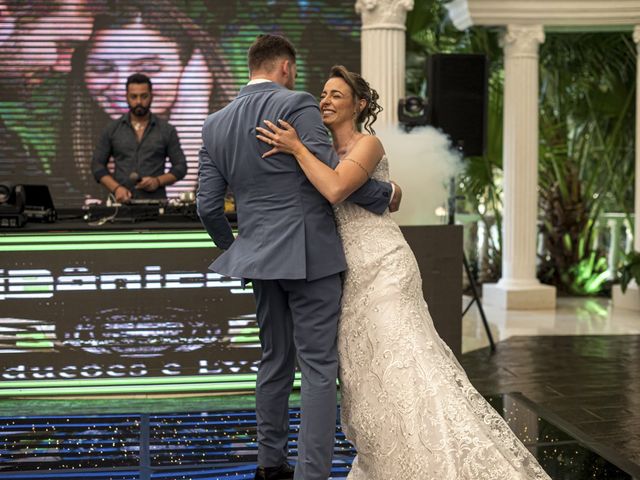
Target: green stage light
{"points": [[104, 241], [213, 384]]}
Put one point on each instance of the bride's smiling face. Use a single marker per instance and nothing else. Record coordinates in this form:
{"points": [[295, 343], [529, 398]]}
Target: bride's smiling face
{"points": [[337, 102]]}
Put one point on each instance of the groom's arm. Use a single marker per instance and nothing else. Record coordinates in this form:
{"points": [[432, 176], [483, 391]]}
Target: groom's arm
{"points": [[374, 195], [212, 188]]}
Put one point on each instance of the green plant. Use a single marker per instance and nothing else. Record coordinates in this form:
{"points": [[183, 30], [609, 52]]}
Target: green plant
{"points": [[586, 151], [630, 270], [588, 276]]}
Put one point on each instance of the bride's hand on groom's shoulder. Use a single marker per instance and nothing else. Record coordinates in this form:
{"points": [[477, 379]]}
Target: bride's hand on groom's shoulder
{"points": [[283, 138]]}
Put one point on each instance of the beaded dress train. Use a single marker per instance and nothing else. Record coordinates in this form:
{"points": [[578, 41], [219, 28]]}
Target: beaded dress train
{"points": [[407, 404]]}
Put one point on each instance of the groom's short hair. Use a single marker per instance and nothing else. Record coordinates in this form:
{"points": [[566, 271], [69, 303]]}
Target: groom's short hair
{"points": [[266, 49]]}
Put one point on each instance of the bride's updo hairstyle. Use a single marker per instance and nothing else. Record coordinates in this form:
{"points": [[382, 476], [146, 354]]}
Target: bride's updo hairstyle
{"points": [[361, 91]]}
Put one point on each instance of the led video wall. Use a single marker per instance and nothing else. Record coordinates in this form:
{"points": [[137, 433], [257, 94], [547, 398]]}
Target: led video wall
{"points": [[64, 63], [122, 312], [138, 311]]}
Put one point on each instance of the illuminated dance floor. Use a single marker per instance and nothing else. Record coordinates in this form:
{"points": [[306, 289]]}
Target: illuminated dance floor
{"points": [[222, 444]]}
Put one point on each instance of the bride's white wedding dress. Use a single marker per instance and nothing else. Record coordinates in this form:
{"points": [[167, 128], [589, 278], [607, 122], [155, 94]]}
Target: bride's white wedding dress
{"points": [[407, 404]]}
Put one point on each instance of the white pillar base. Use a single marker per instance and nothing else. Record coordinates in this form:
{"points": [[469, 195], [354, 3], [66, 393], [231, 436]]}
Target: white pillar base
{"points": [[630, 300], [526, 296]]}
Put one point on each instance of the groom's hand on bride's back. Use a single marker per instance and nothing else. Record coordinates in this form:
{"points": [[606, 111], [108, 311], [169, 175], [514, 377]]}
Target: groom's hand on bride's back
{"points": [[394, 205]]}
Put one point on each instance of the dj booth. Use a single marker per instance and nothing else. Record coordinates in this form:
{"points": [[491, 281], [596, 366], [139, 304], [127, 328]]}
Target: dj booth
{"points": [[131, 307]]}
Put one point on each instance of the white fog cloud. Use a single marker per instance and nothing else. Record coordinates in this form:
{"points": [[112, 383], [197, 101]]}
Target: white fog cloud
{"points": [[422, 163]]}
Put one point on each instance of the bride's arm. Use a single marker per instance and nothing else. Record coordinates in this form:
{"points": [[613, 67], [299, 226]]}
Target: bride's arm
{"points": [[335, 185]]}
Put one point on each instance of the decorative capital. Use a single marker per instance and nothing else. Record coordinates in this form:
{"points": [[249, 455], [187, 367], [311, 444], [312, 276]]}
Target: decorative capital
{"points": [[390, 14], [636, 34], [522, 40]]}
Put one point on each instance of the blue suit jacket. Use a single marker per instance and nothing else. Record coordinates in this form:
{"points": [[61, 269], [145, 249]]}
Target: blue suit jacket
{"points": [[286, 229]]}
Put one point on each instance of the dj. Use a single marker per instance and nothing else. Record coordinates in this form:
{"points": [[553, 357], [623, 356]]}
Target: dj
{"points": [[139, 143]]}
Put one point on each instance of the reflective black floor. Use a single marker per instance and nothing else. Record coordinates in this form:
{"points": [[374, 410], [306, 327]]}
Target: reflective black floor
{"points": [[221, 444], [587, 384]]}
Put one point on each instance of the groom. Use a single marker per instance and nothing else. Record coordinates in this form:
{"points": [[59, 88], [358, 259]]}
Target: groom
{"points": [[288, 246]]}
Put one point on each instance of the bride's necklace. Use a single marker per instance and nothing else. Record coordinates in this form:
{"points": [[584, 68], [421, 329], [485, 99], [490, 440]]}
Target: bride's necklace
{"points": [[347, 147]]}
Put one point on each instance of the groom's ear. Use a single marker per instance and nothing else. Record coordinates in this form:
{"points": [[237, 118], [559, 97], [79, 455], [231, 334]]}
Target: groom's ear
{"points": [[287, 73], [285, 66]]}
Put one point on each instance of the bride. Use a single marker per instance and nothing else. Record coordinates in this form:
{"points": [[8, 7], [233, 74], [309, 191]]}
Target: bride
{"points": [[407, 405]]}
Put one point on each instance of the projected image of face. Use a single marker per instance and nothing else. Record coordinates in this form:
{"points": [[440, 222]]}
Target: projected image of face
{"points": [[38, 39], [117, 53]]}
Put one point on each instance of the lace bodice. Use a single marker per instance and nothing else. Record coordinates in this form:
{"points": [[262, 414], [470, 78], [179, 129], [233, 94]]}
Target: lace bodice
{"points": [[365, 235]]}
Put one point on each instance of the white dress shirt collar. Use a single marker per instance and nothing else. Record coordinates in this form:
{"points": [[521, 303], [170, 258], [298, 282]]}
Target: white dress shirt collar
{"points": [[258, 80]]}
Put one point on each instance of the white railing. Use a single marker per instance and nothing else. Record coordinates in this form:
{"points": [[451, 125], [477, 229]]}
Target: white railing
{"points": [[613, 234]]}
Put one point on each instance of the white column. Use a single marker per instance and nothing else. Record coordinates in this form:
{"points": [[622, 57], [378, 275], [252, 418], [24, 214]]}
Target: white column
{"points": [[631, 299], [519, 288], [636, 239], [383, 51]]}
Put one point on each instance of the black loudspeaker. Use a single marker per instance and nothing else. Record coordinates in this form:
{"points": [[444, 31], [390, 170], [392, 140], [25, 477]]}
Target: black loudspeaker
{"points": [[458, 96], [12, 198]]}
